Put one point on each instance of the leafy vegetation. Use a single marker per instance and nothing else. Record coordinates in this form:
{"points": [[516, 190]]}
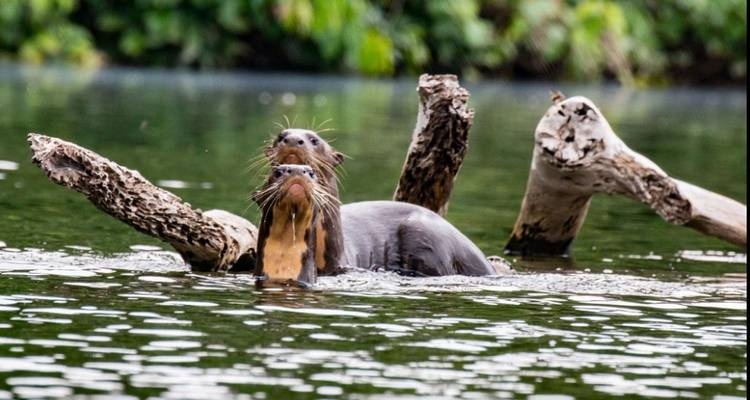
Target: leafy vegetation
{"points": [[633, 41]]}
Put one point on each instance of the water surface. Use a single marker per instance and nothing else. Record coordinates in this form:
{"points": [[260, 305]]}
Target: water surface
{"points": [[88, 306]]}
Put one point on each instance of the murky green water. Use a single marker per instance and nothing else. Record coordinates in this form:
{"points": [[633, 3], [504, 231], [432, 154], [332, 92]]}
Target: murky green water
{"points": [[90, 307]]}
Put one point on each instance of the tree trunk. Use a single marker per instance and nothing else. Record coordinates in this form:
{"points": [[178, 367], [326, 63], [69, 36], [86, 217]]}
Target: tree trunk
{"points": [[438, 145], [214, 240], [576, 155]]}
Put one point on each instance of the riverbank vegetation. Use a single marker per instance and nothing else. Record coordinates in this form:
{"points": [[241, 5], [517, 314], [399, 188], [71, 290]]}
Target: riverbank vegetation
{"points": [[634, 41]]}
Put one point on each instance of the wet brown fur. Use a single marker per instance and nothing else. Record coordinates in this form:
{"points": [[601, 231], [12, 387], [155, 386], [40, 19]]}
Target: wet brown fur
{"points": [[324, 160], [286, 233]]}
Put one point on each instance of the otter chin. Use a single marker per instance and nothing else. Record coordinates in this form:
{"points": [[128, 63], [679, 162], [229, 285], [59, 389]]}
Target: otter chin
{"points": [[295, 197], [292, 159], [290, 207], [297, 192]]}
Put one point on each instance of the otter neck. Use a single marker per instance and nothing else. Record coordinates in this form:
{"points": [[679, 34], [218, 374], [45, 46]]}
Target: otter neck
{"points": [[329, 244], [290, 226], [285, 245]]}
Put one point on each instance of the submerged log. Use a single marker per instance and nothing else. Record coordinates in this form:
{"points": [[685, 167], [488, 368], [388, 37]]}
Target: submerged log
{"points": [[576, 155], [439, 143], [214, 240]]}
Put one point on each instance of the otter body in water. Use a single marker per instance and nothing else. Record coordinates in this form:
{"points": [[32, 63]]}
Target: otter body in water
{"points": [[408, 239], [388, 235]]}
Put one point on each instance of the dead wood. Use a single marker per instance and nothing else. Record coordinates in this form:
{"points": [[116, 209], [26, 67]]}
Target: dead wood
{"points": [[214, 240], [576, 155], [439, 143]]}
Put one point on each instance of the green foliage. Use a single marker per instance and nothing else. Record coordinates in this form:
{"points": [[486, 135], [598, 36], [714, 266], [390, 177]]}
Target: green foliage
{"points": [[40, 30], [633, 41]]}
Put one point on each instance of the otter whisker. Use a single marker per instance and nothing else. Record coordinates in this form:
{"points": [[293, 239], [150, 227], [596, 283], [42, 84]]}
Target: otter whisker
{"points": [[327, 203], [260, 170], [267, 195], [312, 124], [259, 157], [326, 168], [322, 124], [257, 164]]}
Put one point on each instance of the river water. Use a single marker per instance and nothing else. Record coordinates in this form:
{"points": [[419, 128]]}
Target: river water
{"points": [[89, 307]]}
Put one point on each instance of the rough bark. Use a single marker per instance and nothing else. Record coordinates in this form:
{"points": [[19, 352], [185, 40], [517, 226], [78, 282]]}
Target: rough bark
{"points": [[576, 155], [214, 240], [438, 145]]}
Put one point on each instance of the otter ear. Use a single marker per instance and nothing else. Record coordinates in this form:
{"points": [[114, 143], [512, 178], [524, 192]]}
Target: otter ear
{"points": [[338, 158]]}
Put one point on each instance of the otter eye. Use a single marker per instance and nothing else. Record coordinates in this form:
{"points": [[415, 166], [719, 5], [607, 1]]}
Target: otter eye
{"points": [[314, 141], [277, 173]]}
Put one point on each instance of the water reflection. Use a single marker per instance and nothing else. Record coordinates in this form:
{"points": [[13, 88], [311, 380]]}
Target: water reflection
{"points": [[644, 310], [163, 331]]}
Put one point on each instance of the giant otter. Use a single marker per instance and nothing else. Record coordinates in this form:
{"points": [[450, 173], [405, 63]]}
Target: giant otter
{"points": [[390, 235], [302, 146], [291, 204]]}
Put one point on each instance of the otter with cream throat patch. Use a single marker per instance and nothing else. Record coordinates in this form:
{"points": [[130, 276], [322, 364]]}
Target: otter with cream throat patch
{"points": [[389, 235], [291, 204], [306, 147]]}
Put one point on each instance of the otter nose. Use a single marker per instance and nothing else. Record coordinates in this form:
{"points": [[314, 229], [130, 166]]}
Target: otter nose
{"points": [[297, 172], [292, 139], [294, 170]]}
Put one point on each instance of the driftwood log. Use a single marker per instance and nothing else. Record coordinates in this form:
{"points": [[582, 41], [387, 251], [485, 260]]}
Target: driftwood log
{"points": [[214, 240], [439, 143], [217, 240], [576, 155]]}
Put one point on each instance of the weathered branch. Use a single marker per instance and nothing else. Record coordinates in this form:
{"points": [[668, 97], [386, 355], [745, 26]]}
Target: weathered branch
{"points": [[438, 145], [576, 155], [214, 240]]}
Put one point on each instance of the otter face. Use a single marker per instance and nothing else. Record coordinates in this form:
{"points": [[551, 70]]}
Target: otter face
{"points": [[303, 146], [288, 190]]}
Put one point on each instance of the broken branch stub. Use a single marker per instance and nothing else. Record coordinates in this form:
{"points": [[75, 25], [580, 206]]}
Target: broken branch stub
{"points": [[439, 143], [576, 155], [214, 240]]}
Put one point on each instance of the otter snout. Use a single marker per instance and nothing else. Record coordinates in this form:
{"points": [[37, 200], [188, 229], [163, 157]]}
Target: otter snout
{"points": [[296, 138], [292, 139], [285, 172]]}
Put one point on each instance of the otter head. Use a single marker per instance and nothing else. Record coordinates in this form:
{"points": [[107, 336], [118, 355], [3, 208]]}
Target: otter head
{"points": [[290, 202], [303, 146]]}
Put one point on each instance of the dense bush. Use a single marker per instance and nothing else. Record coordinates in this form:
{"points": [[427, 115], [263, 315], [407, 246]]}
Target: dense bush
{"points": [[634, 41]]}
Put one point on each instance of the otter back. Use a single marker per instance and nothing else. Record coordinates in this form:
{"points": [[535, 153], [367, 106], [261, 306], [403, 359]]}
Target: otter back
{"points": [[408, 239]]}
